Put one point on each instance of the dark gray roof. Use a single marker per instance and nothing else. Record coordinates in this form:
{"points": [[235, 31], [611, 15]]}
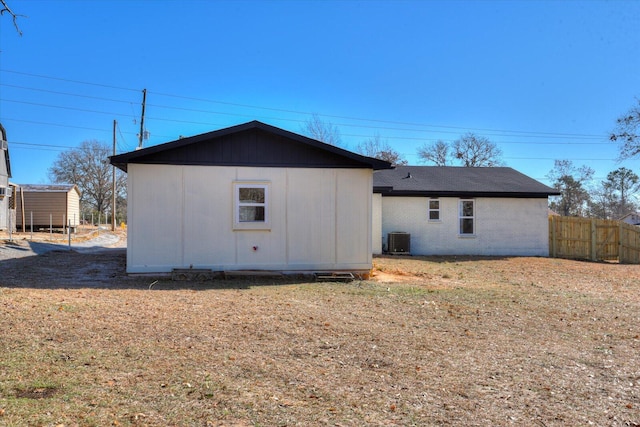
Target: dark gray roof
{"points": [[458, 182], [48, 188], [249, 144]]}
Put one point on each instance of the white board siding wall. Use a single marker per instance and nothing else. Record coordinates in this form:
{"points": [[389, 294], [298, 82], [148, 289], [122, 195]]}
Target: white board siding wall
{"points": [[503, 226], [182, 216], [376, 219]]}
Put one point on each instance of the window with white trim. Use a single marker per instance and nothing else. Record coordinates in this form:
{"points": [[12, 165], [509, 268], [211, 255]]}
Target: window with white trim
{"points": [[467, 217], [434, 210], [251, 205]]}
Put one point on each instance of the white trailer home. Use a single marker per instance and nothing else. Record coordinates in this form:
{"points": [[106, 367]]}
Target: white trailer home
{"points": [[248, 197]]}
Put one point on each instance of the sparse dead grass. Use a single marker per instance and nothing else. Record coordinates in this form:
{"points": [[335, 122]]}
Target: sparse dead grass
{"points": [[427, 341]]}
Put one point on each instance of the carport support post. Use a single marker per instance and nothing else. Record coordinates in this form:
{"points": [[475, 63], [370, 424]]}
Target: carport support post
{"points": [[69, 234], [31, 223], [50, 226]]}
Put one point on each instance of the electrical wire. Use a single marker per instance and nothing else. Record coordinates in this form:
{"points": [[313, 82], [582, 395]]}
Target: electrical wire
{"points": [[426, 127]]}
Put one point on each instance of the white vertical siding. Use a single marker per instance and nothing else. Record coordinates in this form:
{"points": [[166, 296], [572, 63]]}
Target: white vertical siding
{"points": [[182, 216], [503, 226], [311, 216], [376, 221], [154, 216]]}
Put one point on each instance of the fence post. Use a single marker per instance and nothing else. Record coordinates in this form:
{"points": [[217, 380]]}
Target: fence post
{"points": [[594, 240], [554, 245], [620, 245]]}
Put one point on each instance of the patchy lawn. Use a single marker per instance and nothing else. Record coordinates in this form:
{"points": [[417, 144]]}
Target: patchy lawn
{"points": [[427, 341]]}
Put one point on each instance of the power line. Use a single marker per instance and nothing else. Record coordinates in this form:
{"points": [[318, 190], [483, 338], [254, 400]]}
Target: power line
{"points": [[64, 93], [54, 124], [428, 127], [67, 80]]}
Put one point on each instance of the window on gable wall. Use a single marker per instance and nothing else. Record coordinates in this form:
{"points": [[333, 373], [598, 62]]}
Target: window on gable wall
{"points": [[251, 206], [467, 217], [434, 210]]}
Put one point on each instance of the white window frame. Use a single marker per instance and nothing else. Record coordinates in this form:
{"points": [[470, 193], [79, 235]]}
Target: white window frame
{"points": [[430, 209], [237, 204], [463, 217]]}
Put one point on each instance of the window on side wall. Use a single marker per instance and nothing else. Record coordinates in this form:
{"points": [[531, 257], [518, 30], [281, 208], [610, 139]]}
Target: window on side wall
{"points": [[434, 210], [467, 217], [251, 206]]}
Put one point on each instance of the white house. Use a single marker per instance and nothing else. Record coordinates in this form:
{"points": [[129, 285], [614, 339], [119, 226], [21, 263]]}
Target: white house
{"points": [[248, 197], [632, 218], [5, 188], [460, 211]]}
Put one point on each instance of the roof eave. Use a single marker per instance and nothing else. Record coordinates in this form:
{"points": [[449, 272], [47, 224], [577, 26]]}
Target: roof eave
{"points": [[387, 192], [121, 160]]}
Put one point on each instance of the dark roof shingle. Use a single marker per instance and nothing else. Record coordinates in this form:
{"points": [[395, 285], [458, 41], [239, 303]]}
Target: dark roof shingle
{"points": [[458, 181]]}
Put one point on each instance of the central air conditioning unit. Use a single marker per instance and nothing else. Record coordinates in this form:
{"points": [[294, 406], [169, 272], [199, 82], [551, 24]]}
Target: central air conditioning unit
{"points": [[399, 243]]}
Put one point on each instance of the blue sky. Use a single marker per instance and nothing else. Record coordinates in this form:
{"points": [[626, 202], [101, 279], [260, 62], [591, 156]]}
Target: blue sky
{"points": [[543, 80]]}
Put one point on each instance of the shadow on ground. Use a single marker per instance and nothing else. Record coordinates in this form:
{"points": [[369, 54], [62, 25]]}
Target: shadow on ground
{"points": [[51, 267]]}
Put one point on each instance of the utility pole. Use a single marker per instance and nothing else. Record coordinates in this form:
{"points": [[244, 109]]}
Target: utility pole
{"points": [[113, 182], [141, 136]]}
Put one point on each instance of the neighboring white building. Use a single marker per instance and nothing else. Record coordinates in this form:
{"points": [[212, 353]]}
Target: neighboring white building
{"points": [[462, 211], [5, 188], [632, 218], [248, 197]]}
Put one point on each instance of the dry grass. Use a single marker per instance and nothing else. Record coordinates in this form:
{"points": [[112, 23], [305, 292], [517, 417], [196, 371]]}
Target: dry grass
{"points": [[428, 341]]}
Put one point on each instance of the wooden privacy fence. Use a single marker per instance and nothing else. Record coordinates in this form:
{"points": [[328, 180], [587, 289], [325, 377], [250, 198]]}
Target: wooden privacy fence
{"points": [[593, 239]]}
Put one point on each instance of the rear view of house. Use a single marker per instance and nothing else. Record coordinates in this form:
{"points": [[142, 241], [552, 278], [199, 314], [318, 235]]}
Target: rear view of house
{"points": [[47, 205], [460, 211], [248, 197]]}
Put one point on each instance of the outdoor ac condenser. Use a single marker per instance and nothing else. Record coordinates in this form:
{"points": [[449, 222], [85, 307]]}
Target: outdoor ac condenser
{"points": [[399, 242]]}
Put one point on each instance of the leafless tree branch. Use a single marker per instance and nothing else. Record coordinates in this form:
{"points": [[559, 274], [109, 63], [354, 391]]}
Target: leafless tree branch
{"points": [[14, 16]]}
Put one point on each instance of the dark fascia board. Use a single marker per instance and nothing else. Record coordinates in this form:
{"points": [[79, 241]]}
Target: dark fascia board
{"points": [[120, 161], [7, 158], [387, 192]]}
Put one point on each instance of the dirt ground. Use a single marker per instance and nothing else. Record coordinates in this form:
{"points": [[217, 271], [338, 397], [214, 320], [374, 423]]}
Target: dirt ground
{"points": [[427, 341]]}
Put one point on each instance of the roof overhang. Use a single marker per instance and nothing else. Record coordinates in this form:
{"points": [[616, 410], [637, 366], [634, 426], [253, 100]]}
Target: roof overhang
{"points": [[150, 155]]}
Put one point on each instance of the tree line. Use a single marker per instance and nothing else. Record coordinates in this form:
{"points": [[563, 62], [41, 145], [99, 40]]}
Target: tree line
{"points": [[611, 198], [88, 167]]}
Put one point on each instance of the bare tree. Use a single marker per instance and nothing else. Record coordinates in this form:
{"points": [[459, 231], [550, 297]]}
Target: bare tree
{"points": [[475, 151], [323, 131], [88, 167], [627, 132], [436, 153], [14, 16], [379, 149], [469, 150]]}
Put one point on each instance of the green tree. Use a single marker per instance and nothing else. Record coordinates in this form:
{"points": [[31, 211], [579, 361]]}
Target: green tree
{"points": [[87, 166], [624, 184], [571, 183]]}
